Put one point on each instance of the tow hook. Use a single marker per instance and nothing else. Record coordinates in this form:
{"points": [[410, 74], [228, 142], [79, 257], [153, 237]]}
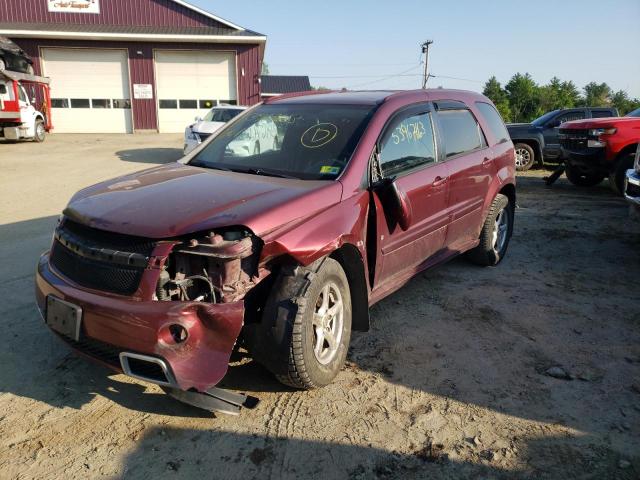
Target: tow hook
{"points": [[214, 400]]}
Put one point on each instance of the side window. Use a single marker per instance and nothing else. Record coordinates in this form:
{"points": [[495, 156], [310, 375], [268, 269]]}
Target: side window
{"points": [[407, 144], [21, 95], [496, 125], [460, 130], [567, 117], [601, 113]]}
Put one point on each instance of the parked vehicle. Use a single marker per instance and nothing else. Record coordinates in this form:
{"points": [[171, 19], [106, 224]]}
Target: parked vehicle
{"points": [[632, 183], [203, 127], [598, 148], [160, 273], [13, 58], [537, 142], [19, 118]]}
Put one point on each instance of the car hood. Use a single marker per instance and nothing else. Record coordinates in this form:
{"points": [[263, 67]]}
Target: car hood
{"points": [[518, 126], [600, 122], [206, 127], [177, 199]]}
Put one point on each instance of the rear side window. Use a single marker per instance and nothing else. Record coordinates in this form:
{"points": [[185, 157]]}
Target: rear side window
{"points": [[461, 131], [496, 125], [602, 113], [407, 144]]}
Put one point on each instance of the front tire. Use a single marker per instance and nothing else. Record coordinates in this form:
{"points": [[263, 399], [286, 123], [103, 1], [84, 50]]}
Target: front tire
{"points": [[39, 131], [581, 178], [616, 178], [525, 157], [495, 234], [319, 338]]}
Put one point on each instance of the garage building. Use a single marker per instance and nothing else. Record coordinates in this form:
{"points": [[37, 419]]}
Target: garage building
{"points": [[123, 66]]}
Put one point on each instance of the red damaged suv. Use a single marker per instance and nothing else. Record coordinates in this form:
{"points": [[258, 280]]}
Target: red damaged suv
{"points": [[160, 274]]}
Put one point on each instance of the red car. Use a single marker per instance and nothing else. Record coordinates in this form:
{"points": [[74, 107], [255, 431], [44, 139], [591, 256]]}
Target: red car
{"points": [[160, 274], [600, 147]]}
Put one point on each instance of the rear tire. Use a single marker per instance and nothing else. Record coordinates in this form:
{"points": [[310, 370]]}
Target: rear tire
{"points": [[496, 233], [39, 131], [583, 179], [525, 157], [616, 178]]}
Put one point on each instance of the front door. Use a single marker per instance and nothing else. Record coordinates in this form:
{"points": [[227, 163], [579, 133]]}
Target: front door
{"points": [[407, 152]]}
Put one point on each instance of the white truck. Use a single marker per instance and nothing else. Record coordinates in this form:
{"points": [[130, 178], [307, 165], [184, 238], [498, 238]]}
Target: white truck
{"points": [[19, 118]]}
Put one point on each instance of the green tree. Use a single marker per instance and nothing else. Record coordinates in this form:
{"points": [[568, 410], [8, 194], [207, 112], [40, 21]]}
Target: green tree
{"points": [[494, 91], [265, 69], [557, 94], [597, 95], [523, 96]]}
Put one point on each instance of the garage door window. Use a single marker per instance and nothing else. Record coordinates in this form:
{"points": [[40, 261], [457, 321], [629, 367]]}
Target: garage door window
{"points": [[188, 104], [121, 103], [101, 103], [60, 102], [80, 103], [168, 103]]}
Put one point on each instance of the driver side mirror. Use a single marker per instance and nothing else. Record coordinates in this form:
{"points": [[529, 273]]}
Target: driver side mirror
{"points": [[395, 202], [197, 119], [554, 123]]}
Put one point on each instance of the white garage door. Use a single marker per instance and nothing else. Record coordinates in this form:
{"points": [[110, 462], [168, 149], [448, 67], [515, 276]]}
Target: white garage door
{"points": [[188, 83], [89, 90]]}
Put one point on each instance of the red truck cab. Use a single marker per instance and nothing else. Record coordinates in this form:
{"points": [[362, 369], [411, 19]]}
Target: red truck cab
{"points": [[599, 148]]}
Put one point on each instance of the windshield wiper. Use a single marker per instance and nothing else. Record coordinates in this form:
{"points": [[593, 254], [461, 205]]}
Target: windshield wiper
{"points": [[262, 171]]}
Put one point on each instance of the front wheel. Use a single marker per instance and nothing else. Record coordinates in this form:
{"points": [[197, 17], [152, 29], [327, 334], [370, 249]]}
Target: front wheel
{"points": [[321, 329], [39, 131], [616, 178], [525, 157], [583, 178], [496, 233]]}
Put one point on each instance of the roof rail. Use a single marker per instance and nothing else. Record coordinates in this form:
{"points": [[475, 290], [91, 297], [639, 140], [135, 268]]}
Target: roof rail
{"points": [[25, 77], [297, 94]]}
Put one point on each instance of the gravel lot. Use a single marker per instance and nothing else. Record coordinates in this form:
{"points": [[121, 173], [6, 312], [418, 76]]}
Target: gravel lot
{"points": [[452, 382]]}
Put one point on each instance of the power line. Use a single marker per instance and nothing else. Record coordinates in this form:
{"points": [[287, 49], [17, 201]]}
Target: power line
{"points": [[387, 77]]}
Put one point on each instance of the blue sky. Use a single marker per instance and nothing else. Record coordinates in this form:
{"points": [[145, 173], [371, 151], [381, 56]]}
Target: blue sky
{"points": [[362, 41]]}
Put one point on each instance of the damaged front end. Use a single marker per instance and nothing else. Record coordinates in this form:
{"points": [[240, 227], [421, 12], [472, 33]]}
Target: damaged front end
{"points": [[182, 318], [215, 268]]}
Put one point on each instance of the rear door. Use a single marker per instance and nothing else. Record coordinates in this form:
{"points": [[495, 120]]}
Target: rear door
{"points": [[470, 163], [408, 152]]}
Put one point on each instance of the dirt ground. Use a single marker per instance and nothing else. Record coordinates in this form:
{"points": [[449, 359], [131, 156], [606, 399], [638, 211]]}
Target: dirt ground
{"points": [[451, 382]]}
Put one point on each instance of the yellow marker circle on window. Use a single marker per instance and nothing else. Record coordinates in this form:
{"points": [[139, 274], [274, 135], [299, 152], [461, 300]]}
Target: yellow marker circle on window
{"points": [[319, 135]]}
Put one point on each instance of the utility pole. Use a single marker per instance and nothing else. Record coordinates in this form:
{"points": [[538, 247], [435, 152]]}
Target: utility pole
{"points": [[425, 50]]}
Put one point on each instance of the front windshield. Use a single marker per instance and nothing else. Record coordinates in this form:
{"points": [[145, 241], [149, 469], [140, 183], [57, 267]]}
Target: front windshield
{"points": [[221, 114], [634, 113], [543, 119], [310, 142]]}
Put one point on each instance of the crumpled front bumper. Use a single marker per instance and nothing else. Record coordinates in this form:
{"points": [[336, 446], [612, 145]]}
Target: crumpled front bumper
{"points": [[113, 324]]}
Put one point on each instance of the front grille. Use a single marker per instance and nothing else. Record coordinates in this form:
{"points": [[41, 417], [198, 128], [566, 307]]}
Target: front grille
{"points": [[572, 139], [104, 352], [110, 354], [97, 259]]}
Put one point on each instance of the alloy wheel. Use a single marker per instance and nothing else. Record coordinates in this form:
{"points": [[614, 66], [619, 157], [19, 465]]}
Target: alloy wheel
{"points": [[328, 321]]}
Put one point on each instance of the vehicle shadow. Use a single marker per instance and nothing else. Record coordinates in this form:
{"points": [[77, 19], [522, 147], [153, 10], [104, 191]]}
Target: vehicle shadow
{"points": [[194, 453], [150, 155]]}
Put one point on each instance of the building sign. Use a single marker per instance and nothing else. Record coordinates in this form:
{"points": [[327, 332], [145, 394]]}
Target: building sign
{"points": [[142, 91], [74, 6]]}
